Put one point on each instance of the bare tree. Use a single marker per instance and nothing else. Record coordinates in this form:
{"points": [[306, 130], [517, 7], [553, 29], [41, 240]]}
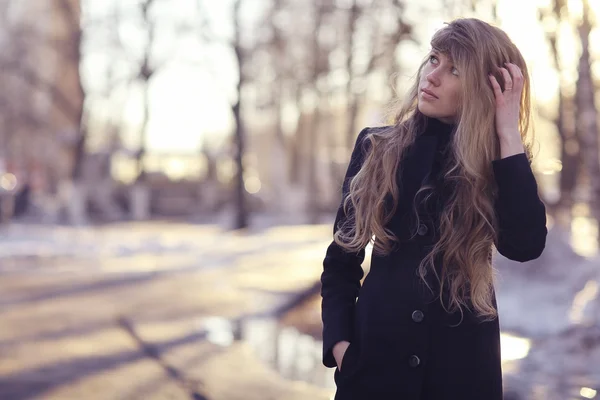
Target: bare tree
{"points": [[52, 93], [60, 43], [146, 71], [241, 211], [382, 54], [71, 38], [587, 113], [237, 106], [305, 52], [576, 117], [552, 18]]}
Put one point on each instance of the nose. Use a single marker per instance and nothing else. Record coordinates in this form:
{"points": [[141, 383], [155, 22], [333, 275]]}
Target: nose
{"points": [[433, 78]]}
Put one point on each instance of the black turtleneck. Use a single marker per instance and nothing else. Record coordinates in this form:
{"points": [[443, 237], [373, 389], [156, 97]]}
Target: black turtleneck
{"points": [[435, 127], [443, 132]]}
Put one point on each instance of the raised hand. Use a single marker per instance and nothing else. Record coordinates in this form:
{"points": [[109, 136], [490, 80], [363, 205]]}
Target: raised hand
{"points": [[508, 102]]}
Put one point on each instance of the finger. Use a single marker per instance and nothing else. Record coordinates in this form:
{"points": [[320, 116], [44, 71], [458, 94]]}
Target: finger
{"points": [[515, 71], [496, 87], [508, 83], [517, 75]]}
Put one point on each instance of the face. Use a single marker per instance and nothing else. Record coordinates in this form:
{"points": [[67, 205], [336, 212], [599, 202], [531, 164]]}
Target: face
{"points": [[439, 88]]}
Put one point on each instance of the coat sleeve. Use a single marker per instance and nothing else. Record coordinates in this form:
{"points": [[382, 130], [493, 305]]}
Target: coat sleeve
{"points": [[520, 211], [342, 271]]}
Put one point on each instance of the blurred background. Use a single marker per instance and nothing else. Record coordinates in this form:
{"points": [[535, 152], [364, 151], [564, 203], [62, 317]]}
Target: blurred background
{"points": [[170, 170]]}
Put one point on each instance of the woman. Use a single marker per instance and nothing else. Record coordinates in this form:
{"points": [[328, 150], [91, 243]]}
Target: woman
{"points": [[449, 180]]}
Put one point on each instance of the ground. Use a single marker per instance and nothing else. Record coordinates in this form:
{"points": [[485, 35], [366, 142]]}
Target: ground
{"points": [[183, 311], [133, 311]]}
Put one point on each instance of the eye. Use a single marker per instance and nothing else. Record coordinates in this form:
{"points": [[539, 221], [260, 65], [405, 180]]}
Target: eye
{"points": [[454, 71], [433, 58]]}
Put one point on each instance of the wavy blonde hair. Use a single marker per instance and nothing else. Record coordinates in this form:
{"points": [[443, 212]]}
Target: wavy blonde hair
{"points": [[468, 223]]}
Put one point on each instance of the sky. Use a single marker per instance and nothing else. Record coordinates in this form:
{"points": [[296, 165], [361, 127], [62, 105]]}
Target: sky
{"points": [[190, 102]]}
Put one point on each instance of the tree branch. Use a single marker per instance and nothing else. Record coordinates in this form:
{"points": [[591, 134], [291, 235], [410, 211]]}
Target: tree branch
{"points": [[27, 75]]}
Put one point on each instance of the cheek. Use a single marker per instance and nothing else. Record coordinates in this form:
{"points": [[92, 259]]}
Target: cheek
{"points": [[455, 97]]}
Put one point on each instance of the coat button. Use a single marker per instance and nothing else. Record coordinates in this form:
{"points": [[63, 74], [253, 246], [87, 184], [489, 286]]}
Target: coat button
{"points": [[422, 229], [414, 361], [418, 316]]}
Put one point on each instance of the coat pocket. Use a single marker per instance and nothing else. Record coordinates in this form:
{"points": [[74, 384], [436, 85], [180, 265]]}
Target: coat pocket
{"points": [[349, 361]]}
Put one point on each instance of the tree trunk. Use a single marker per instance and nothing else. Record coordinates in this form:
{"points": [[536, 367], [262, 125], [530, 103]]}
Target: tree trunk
{"points": [[587, 121], [241, 211], [80, 144], [313, 195], [141, 171], [312, 187], [570, 142], [351, 99], [71, 43], [570, 152], [279, 177], [297, 144]]}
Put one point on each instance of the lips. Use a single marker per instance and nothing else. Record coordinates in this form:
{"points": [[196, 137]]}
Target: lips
{"points": [[429, 92]]}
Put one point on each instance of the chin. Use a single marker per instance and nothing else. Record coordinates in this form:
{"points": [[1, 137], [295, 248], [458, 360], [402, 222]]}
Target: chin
{"points": [[429, 111], [426, 110]]}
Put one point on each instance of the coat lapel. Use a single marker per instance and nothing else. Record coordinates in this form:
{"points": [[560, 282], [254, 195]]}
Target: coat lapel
{"points": [[411, 173]]}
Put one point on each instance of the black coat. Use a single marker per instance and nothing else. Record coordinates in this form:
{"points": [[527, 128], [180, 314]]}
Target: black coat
{"points": [[404, 346]]}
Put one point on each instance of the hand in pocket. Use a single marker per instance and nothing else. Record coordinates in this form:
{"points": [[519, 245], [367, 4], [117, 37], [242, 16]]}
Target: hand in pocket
{"points": [[339, 352]]}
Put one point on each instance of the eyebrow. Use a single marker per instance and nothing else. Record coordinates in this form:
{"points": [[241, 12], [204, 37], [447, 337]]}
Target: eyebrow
{"points": [[437, 53]]}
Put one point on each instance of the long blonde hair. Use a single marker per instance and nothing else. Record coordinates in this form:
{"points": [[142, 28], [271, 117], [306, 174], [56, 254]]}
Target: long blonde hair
{"points": [[468, 224]]}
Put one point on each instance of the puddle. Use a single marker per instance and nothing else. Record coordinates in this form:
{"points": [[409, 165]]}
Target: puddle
{"points": [[293, 354], [296, 355]]}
